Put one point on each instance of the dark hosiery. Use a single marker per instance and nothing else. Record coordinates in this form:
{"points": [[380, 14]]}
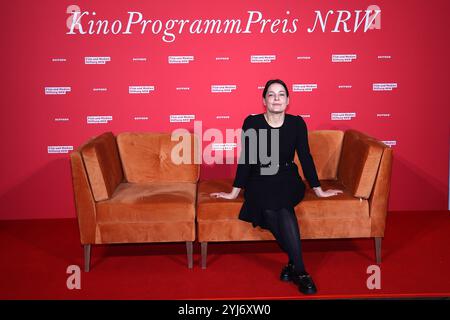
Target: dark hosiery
{"points": [[284, 227]]}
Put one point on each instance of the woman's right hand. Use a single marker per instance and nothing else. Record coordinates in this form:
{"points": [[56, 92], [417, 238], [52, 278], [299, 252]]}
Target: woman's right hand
{"points": [[224, 195], [230, 196]]}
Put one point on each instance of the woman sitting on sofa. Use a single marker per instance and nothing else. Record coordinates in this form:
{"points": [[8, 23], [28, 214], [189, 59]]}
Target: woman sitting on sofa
{"points": [[270, 197]]}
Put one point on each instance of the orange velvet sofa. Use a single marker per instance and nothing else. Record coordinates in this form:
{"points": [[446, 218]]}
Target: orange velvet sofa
{"points": [[351, 161], [127, 190]]}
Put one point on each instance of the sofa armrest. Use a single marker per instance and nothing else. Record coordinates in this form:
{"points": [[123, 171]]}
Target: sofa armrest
{"points": [[359, 162], [84, 199], [378, 201]]}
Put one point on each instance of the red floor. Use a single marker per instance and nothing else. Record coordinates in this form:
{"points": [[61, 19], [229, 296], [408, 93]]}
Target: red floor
{"points": [[36, 254]]}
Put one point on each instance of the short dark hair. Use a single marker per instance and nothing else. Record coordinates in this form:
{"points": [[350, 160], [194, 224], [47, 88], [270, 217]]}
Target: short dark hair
{"points": [[270, 82]]}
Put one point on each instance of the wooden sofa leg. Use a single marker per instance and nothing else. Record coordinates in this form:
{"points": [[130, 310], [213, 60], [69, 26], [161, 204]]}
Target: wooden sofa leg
{"points": [[378, 249], [204, 248], [189, 254], [87, 257]]}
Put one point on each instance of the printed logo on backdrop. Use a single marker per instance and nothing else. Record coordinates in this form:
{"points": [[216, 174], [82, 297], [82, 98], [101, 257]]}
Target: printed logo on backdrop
{"points": [[262, 58], [57, 90], [98, 119], [134, 22], [338, 116], [390, 143], [344, 86], [140, 89], [343, 57], [181, 117], [96, 60], [384, 86], [59, 149], [180, 59], [306, 87], [140, 118], [224, 88], [61, 119]]}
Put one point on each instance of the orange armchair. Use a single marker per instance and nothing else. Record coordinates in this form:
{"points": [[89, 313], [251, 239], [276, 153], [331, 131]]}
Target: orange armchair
{"points": [[127, 190]]}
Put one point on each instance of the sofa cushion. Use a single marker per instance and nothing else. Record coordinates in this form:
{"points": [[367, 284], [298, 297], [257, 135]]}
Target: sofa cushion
{"points": [[101, 159], [146, 157], [149, 202], [360, 159], [209, 208], [325, 147], [341, 206]]}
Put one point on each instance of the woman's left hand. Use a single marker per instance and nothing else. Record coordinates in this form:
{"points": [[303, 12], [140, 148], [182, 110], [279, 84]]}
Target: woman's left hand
{"points": [[326, 193]]}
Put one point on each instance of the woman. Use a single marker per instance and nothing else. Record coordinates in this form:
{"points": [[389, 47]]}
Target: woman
{"points": [[270, 198]]}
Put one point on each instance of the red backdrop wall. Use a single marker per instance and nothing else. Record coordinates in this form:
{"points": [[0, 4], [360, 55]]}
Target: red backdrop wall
{"points": [[409, 53]]}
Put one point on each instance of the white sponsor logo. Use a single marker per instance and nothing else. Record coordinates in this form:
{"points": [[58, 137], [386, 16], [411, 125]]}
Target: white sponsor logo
{"points": [[59, 149], [180, 59], [261, 87], [303, 58], [223, 88], [222, 58], [183, 88], [222, 117], [305, 87], [384, 57], [343, 57], [140, 118], [59, 60], [380, 115], [305, 115], [390, 143], [140, 59], [342, 115], [98, 119], [384, 86], [140, 89], [181, 117], [344, 86], [224, 146], [96, 60], [57, 90], [61, 119], [262, 58], [99, 89]]}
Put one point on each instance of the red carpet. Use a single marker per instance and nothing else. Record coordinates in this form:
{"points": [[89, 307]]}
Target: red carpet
{"points": [[36, 253]]}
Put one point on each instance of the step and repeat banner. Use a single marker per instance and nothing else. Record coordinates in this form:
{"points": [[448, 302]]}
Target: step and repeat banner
{"points": [[73, 70]]}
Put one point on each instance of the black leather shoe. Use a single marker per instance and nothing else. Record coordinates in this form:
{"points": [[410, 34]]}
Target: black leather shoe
{"points": [[286, 272], [305, 283]]}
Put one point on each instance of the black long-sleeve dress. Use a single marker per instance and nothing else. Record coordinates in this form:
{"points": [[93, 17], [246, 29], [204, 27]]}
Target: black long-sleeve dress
{"points": [[275, 191]]}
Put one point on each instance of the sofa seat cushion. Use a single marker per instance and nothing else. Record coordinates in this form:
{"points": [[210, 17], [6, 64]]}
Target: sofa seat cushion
{"points": [[149, 202], [343, 205], [209, 208]]}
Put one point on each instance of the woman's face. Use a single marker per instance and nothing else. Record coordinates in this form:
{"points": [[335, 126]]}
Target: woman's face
{"points": [[276, 99]]}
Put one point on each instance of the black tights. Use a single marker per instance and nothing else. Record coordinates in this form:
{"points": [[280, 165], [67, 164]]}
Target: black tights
{"points": [[284, 226]]}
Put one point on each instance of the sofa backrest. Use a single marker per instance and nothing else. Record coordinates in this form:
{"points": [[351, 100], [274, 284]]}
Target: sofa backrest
{"points": [[325, 147], [102, 163], [146, 157], [360, 159]]}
